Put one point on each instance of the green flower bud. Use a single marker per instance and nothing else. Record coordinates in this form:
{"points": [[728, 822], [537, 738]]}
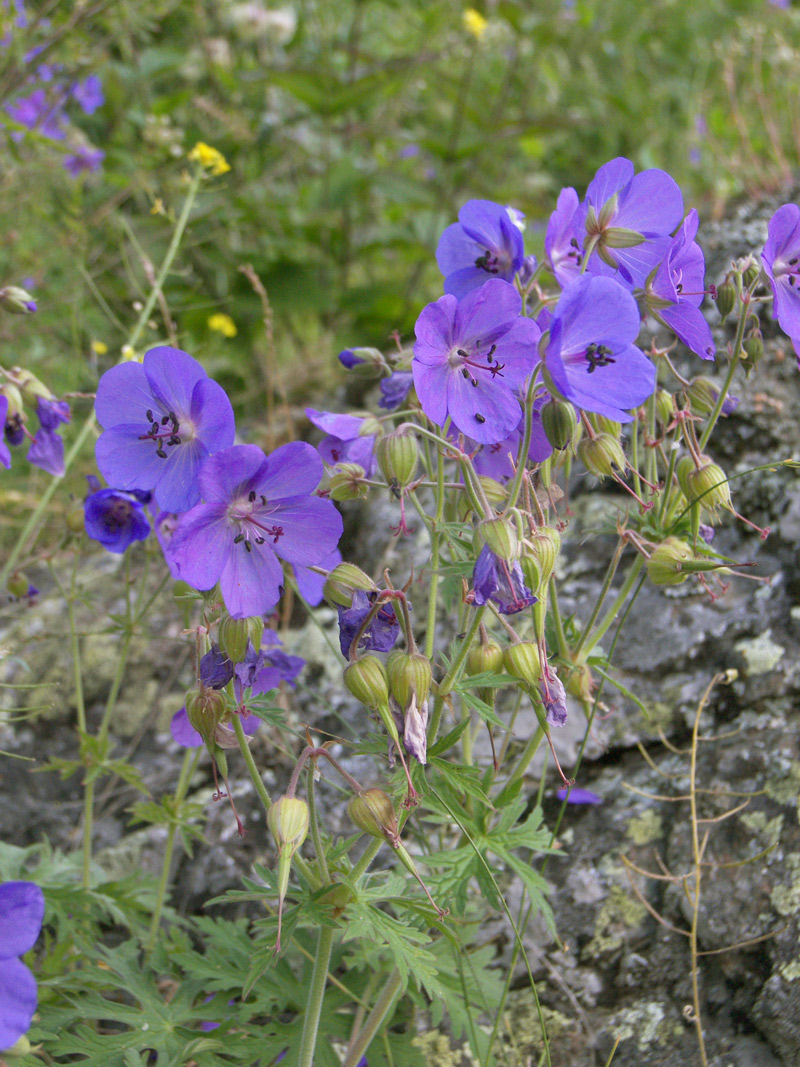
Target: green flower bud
{"points": [[373, 813], [579, 683], [398, 456], [750, 275], [600, 454], [344, 580], [370, 427], [621, 237], [702, 395], [494, 492], [18, 585], [367, 363], [501, 537], [367, 681], [709, 485], [409, 675], [522, 661], [726, 298], [666, 564], [287, 819], [206, 709], [234, 635], [481, 658], [683, 468], [347, 483], [14, 397], [665, 407], [559, 423], [16, 300]]}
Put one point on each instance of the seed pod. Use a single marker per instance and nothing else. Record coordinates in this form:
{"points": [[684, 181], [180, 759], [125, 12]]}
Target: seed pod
{"points": [[602, 424], [750, 275], [18, 585], [665, 407], [666, 564], [702, 395], [398, 456], [543, 548], [373, 813], [367, 681], [344, 580], [481, 658], [288, 819], [726, 298], [409, 675], [600, 454], [347, 483], [709, 485], [754, 349], [501, 537], [522, 661], [559, 422], [234, 635], [206, 709], [683, 468]]}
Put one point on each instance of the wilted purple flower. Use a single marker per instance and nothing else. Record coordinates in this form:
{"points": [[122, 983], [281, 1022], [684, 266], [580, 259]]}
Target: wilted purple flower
{"points": [[263, 670], [85, 160], [47, 448], [500, 581], [412, 725], [257, 510], [576, 795], [484, 243], [563, 243], [554, 697], [345, 440], [379, 636], [5, 451], [675, 292], [162, 417], [591, 357], [185, 734], [394, 389], [627, 218], [470, 357], [115, 518], [781, 259], [21, 915], [88, 94], [215, 670]]}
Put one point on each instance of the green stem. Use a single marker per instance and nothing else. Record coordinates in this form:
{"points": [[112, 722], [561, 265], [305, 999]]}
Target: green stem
{"points": [[370, 852], [619, 600], [450, 678], [190, 760], [524, 448], [376, 1018], [255, 777], [80, 706], [316, 993], [609, 578], [88, 818], [111, 703], [526, 756], [316, 836], [734, 363], [435, 535]]}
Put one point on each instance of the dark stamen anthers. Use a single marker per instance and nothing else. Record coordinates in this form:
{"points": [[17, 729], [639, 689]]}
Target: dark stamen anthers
{"points": [[598, 356]]}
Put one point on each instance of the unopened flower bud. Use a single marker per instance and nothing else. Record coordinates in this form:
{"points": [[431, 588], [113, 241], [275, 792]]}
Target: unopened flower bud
{"points": [[347, 483], [522, 661], [373, 813], [366, 363], [666, 564], [482, 658], [206, 709], [601, 454], [559, 422], [367, 681], [409, 675], [287, 819], [344, 580], [16, 300], [683, 468], [702, 395], [501, 537], [494, 492], [726, 298], [708, 485], [398, 456]]}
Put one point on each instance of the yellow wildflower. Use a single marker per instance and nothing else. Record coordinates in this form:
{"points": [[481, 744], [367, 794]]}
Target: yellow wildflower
{"points": [[475, 23], [223, 324], [99, 348], [130, 355], [158, 207], [209, 158]]}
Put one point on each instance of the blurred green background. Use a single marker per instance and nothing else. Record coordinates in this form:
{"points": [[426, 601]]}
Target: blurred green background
{"points": [[354, 131]]}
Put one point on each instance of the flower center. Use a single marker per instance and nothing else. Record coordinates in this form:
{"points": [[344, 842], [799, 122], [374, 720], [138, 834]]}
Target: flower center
{"points": [[598, 356], [461, 360], [167, 432], [249, 516], [492, 263], [788, 268], [118, 515]]}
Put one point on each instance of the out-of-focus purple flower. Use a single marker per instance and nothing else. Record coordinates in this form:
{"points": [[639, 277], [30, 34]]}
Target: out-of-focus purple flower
{"points": [[527, 270], [257, 511], [39, 112], [627, 219], [394, 389], [554, 697], [675, 292], [349, 359], [781, 259], [576, 795], [85, 160], [5, 451], [88, 94], [379, 636], [345, 440], [706, 532], [115, 518], [409, 151], [501, 582], [21, 915], [484, 243], [591, 357], [563, 243], [163, 418], [47, 448], [470, 357]]}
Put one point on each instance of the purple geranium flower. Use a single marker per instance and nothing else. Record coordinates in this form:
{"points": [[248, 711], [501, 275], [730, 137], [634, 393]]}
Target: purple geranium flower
{"points": [[47, 448], [348, 358], [501, 582], [379, 636], [591, 357], [21, 915], [85, 160], [470, 357], [576, 795], [781, 259], [115, 518], [162, 418], [39, 112], [563, 242], [485, 242], [627, 218], [394, 389], [346, 440], [88, 94], [257, 510], [675, 292], [263, 671]]}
